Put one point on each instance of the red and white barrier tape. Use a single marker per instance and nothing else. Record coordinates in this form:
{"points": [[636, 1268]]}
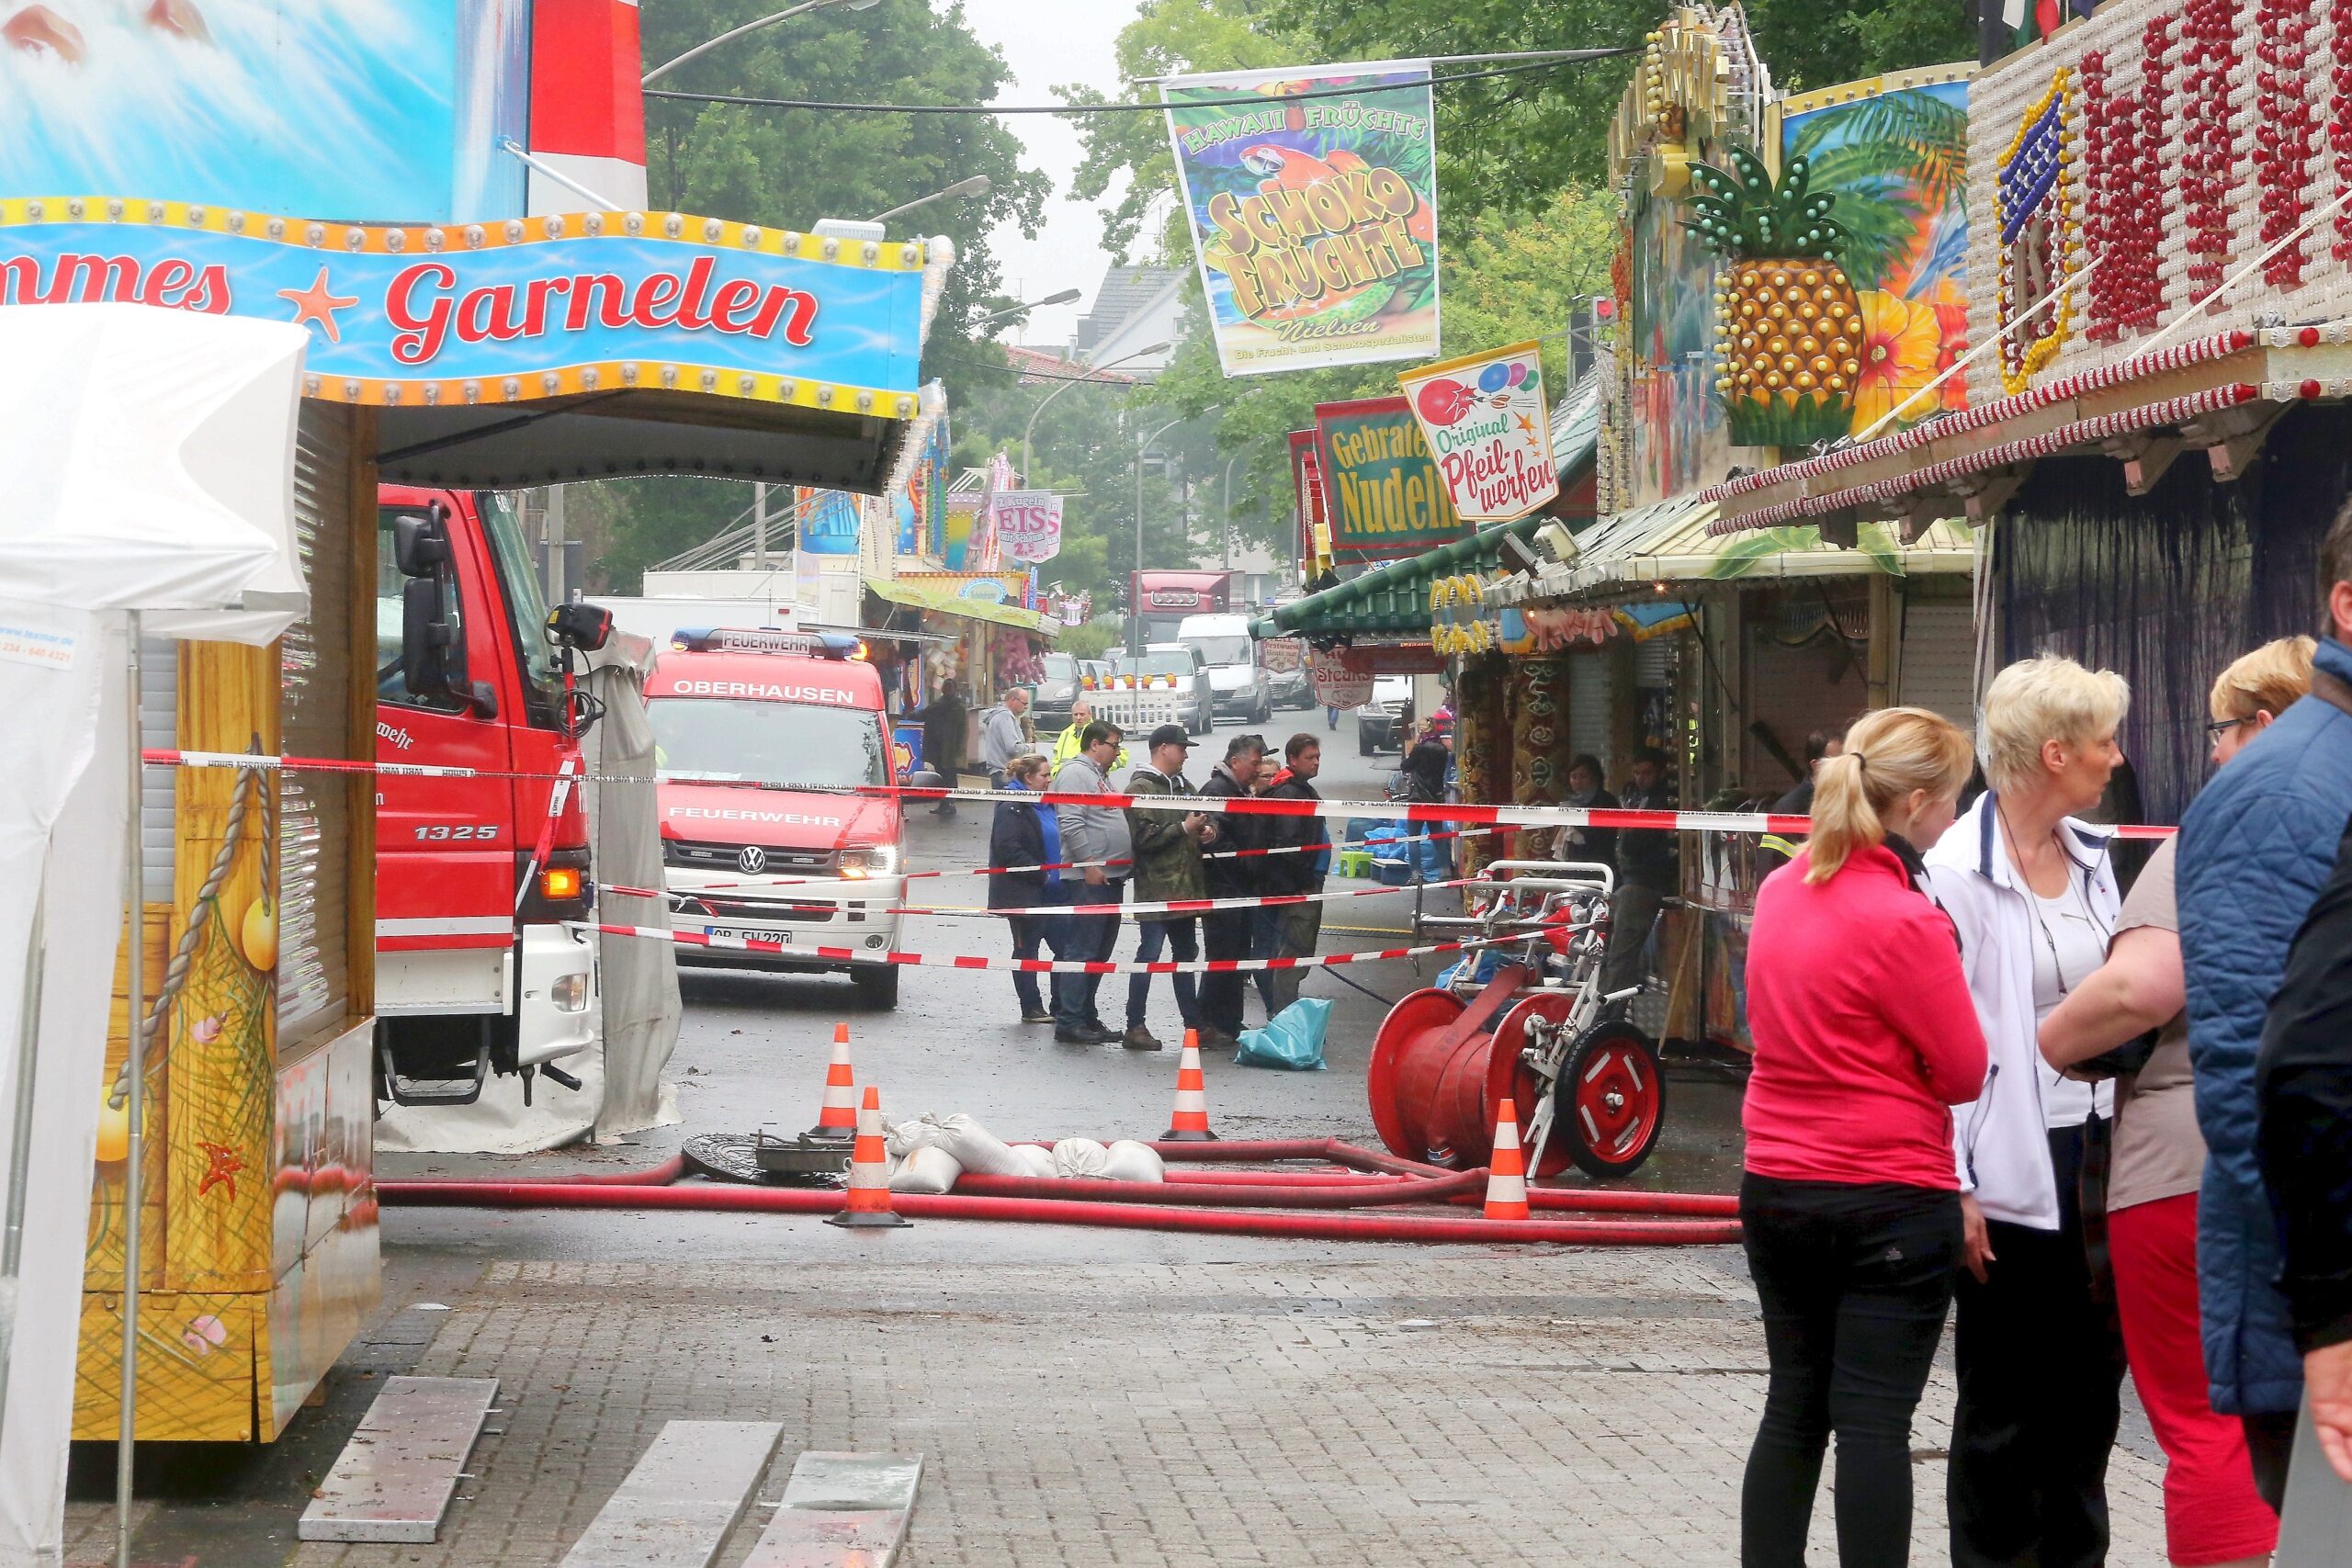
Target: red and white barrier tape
{"points": [[1030, 966], [1241, 806], [1169, 906], [1055, 866]]}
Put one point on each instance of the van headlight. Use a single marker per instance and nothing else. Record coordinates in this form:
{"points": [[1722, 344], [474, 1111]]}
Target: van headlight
{"points": [[868, 861]]}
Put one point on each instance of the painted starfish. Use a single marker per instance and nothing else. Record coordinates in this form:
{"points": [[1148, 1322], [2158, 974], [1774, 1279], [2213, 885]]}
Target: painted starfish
{"points": [[319, 303], [222, 1170]]}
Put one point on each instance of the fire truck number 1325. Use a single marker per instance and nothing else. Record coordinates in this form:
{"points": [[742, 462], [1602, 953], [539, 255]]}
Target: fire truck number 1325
{"points": [[445, 831]]}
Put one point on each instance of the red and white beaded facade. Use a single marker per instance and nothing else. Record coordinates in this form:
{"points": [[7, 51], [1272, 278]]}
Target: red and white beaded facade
{"points": [[2197, 134]]}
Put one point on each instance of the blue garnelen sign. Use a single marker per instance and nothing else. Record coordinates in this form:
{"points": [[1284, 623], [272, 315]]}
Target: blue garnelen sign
{"points": [[509, 312]]}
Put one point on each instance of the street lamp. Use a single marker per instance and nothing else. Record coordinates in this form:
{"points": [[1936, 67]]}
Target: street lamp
{"points": [[1064, 297], [751, 28], [977, 185], [1091, 371]]}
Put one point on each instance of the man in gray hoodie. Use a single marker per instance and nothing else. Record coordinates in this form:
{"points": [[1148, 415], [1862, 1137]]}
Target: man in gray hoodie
{"points": [[1000, 734], [1090, 833]]}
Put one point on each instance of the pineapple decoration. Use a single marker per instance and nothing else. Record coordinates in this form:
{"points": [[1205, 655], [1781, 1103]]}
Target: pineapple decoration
{"points": [[1789, 325]]}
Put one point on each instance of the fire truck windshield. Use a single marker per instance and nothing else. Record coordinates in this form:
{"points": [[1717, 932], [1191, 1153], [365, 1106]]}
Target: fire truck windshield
{"points": [[526, 607], [729, 740]]}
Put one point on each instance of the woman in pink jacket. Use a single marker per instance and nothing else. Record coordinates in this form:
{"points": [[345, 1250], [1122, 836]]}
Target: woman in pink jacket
{"points": [[1865, 1038]]}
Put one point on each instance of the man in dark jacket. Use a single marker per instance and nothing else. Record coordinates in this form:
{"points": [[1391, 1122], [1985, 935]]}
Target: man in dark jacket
{"points": [[1226, 933], [1647, 873], [2305, 1080], [944, 732], [1168, 867], [2256, 849], [1291, 931]]}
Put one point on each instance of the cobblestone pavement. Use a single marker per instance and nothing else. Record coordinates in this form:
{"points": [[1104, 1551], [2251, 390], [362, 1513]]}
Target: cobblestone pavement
{"points": [[1394, 1407]]}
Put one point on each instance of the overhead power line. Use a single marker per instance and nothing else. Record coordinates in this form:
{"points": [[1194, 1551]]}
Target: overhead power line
{"points": [[1249, 100]]}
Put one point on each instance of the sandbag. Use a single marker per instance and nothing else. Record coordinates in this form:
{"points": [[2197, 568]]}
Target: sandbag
{"points": [[1293, 1037], [1127, 1160], [1080, 1157], [1035, 1160], [974, 1146], [929, 1168]]}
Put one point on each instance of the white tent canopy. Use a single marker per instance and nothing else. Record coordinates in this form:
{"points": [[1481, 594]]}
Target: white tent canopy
{"points": [[146, 483]]}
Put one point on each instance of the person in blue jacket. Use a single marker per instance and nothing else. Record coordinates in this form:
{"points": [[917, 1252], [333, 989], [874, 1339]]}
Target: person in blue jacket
{"points": [[2255, 851]]}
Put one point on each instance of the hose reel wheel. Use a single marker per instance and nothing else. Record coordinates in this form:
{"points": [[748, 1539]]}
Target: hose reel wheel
{"points": [[1609, 1102]]}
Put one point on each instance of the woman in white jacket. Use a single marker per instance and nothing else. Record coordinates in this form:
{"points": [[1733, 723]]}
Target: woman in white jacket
{"points": [[2036, 1348]]}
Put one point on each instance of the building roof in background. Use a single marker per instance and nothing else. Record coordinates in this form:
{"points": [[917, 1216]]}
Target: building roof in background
{"points": [[1125, 291], [1038, 365]]}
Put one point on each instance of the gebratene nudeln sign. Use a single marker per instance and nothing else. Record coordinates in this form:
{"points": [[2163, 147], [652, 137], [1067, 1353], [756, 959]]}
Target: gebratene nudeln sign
{"points": [[1380, 485], [1487, 422], [1314, 219]]}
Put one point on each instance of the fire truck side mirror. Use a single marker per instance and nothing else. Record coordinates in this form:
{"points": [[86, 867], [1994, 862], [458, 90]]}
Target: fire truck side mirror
{"points": [[421, 545], [433, 632], [584, 627]]}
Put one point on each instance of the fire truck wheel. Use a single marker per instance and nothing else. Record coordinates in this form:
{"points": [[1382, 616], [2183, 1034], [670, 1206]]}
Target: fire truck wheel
{"points": [[1611, 1102], [877, 985]]}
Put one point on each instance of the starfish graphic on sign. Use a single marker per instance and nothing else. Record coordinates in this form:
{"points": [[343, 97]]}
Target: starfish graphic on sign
{"points": [[319, 303]]}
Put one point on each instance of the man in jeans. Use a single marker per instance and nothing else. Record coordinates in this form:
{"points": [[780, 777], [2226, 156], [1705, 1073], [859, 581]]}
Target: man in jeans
{"points": [[1090, 833], [1647, 873], [1000, 734], [1226, 933], [1168, 867], [2256, 850], [1291, 931]]}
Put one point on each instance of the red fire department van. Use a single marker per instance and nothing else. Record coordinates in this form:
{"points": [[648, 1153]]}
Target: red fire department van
{"points": [[475, 973], [757, 734]]}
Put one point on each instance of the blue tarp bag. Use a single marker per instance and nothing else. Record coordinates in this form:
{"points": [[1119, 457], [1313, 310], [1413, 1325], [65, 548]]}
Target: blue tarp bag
{"points": [[1292, 1039], [1481, 967], [1386, 843]]}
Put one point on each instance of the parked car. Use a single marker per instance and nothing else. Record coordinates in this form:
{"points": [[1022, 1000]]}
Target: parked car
{"points": [[1050, 698], [1239, 685], [1196, 700], [1380, 722], [1286, 673]]}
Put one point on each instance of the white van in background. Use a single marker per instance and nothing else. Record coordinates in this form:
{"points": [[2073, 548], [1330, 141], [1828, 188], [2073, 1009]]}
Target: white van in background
{"points": [[1238, 684]]}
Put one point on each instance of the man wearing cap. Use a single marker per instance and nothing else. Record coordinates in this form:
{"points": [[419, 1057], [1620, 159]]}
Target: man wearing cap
{"points": [[1226, 933], [1168, 866], [1291, 931]]}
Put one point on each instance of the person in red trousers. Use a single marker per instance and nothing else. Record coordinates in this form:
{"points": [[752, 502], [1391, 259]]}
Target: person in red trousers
{"points": [[2212, 1513], [1865, 1038]]}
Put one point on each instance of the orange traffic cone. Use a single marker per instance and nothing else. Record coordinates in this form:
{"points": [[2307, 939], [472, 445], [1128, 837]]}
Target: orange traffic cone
{"points": [[1191, 1122], [1507, 1173], [837, 1118], [869, 1173]]}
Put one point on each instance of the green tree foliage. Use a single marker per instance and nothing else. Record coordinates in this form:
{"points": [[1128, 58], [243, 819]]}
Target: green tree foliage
{"points": [[790, 167]]}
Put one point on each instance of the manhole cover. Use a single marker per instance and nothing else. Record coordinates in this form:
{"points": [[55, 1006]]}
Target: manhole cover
{"points": [[751, 1157]]}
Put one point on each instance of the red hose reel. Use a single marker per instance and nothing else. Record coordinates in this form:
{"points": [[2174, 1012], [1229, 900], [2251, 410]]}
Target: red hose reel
{"points": [[1441, 1068]]}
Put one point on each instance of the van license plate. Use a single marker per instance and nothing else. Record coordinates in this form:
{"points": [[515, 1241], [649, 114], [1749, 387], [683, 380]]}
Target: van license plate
{"points": [[734, 934]]}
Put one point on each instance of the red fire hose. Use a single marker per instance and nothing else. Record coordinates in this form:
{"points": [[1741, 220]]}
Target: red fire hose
{"points": [[1033, 1210], [1378, 1194]]}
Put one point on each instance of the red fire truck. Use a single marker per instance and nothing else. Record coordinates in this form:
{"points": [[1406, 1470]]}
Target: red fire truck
{"points": [[1158, 602], [475, 973], [759, 736]]}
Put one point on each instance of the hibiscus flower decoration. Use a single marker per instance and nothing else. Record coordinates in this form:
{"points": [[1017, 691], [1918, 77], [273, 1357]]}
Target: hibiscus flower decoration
{"points": [[1952, 320], [1900, 340]]}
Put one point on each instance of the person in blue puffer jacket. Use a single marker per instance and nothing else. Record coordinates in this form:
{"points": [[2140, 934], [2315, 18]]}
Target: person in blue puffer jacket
{"points": [[2255, 851]]}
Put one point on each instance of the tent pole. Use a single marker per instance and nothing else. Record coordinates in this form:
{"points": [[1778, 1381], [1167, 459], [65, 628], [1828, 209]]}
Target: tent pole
{"points": [[134, 971], [12, 1240]]}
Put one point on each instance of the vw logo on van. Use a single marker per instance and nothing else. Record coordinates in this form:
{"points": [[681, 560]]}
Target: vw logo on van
{"points": [[753, 859]]}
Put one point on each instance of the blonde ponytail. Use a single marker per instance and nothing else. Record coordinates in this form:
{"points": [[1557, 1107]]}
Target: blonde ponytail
{"points": [[1889, 753]]}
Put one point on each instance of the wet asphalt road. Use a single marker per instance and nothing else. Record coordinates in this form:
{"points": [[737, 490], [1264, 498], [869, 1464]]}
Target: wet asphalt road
{"points": [[752, 1053]]}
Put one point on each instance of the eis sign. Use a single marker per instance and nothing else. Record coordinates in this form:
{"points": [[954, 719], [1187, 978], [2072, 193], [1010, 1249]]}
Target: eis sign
{"points": [[507, 312]]}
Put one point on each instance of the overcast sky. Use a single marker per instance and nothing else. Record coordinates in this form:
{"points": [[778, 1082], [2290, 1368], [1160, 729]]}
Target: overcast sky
{"points": [[1046, 42]]}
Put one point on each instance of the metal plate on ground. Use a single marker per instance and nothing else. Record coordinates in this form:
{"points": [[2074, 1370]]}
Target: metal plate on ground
{"points": [[395, 1477], [738, 1157], [802, 1537], [846, 1482], [684, 1496]]}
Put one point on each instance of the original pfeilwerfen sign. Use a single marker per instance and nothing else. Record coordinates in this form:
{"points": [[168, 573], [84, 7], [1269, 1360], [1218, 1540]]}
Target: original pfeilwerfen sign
{"points": [[1489, 429]]}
